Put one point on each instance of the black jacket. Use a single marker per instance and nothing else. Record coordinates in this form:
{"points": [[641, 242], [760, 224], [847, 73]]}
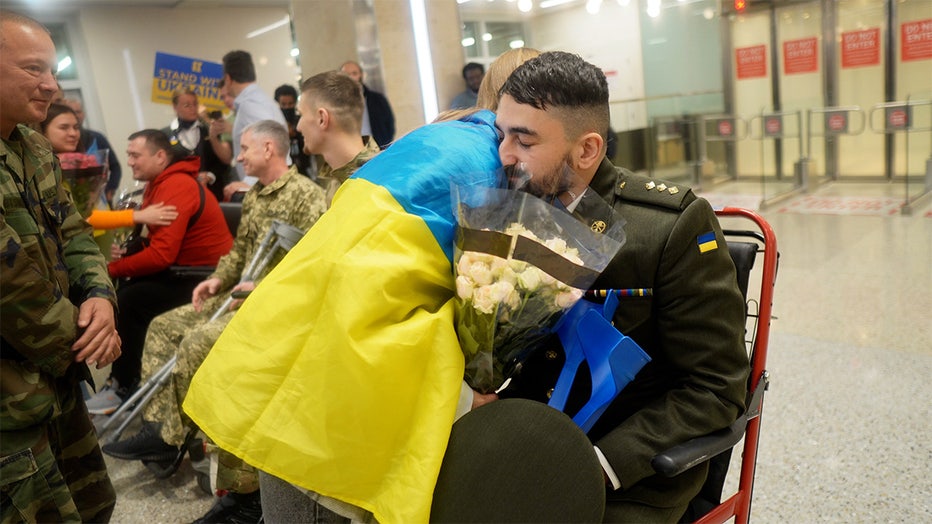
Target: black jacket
{"points": [[381, 118]]}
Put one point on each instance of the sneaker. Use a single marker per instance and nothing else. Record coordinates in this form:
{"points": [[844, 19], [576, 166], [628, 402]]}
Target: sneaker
{"points": [[107, 400], [235, 508], [146, 445]]}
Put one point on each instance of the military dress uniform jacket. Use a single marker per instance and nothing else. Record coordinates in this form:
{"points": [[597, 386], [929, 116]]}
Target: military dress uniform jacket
{"points": [[50, 265], [692, 327]]}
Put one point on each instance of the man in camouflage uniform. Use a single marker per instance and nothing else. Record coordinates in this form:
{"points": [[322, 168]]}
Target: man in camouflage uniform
{"points": [[281, 194], [331, 122], [56, 306]]}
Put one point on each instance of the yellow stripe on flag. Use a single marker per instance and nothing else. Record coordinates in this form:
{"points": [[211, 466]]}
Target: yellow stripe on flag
{"points": [[342, 371], [708, 246]]}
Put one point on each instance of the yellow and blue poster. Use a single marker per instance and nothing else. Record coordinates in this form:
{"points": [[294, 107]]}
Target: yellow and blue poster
{"points": [[173, 72]]}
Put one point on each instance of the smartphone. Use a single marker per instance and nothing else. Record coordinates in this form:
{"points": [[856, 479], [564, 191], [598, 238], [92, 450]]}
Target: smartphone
{"points": [[215, 115]]}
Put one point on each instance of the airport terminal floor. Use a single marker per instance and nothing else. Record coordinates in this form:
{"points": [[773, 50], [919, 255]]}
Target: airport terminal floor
{"points": [[845, 433]]}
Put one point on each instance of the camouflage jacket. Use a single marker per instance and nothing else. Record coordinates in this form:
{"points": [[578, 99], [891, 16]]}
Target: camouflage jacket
{"points": [[292, 199], [50, 262], [331, 178]]}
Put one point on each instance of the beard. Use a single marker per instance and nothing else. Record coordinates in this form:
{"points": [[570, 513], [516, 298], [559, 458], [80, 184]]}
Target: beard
{"points": [[546, 184]]}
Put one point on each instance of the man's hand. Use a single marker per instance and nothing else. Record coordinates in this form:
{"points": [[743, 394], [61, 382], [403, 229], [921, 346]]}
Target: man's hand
{"points": [[219, 127], [203, 291], [99, 343], [242, 286], [230, 189], [481, 399], [116, 251]]}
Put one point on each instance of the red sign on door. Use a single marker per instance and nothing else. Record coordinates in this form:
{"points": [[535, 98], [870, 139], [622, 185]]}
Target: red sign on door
{"points": [[916, 40], [751, 61], [726, 128], [800, 56], [860, 48]]}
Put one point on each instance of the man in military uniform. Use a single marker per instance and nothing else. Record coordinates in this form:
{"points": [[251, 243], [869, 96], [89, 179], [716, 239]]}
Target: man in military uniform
{"points": [[331, 114], [554, 114], [56, 306]]}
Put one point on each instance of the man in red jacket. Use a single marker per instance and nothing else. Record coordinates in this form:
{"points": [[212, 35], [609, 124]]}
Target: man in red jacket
{"points": [[198, 237]]}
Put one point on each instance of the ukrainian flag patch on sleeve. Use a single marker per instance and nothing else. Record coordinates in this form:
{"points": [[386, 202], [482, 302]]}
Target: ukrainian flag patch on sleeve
{"points": [[707, 242]]}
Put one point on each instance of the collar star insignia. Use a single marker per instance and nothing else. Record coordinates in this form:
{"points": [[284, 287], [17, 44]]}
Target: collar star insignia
{"points": [[650, 185], [662, 188], [673, 190]]}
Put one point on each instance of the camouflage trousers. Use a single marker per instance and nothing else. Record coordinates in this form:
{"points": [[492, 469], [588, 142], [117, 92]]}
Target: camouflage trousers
{"points": [[189, 335], [51, 467]]}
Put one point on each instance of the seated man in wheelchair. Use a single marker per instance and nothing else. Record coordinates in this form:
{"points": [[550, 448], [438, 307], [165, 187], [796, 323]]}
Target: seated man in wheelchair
{"points": [[553, 112]]}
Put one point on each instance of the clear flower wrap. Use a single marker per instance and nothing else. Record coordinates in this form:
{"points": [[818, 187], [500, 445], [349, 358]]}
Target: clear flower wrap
{"points": [[520, 263], [85, 175]]}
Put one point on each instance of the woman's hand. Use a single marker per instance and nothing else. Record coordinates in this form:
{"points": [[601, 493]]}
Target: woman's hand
{"points": [[155, 215]]}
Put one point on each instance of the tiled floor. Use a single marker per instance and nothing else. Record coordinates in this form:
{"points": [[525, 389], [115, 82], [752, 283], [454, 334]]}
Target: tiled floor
{"points": [[846, 432]]}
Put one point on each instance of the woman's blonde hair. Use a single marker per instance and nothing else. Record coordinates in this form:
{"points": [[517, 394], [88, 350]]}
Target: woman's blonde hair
{"points": [[492, 83]]}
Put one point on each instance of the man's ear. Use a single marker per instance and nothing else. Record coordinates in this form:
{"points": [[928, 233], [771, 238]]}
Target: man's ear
{"points": [[323, 118], [589, 151]]}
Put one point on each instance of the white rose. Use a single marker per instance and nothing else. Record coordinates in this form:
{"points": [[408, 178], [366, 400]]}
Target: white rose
{"points": [[498, 267], [547, 280], [529, 279], [566, 299], [464, 287], [517, 265], [483, 299], [509, 275], [506, 294], [466, 260], [480, 273], [557, 245]]}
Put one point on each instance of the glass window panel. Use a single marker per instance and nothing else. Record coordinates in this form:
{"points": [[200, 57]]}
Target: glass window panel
{"points": [[502, 35], [67, 68], [471, 40]]}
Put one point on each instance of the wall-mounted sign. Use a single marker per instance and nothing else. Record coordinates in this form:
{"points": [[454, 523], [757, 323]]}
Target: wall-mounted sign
{"points": [[800, 56], [916, 40], [726, 127], [860, 48], [751, 62], [173, 72]]}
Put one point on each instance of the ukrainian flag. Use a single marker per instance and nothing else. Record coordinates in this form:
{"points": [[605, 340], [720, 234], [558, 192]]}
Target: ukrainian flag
{"points": [[342, 371]]}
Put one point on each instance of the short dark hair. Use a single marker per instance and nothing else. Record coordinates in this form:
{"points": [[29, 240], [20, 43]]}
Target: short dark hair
{"points": [[472, 65], [54, 111], [340, 94], [238, 64], [155, 140], [567, 83], [285, 90]]}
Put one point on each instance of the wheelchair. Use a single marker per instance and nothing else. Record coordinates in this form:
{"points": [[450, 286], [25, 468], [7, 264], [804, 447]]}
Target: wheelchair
{"points": [[279, 239], [573, 490]]}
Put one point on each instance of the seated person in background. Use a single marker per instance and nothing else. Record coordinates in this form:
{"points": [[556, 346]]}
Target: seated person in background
{"points": [[190, 136], [198, 237], [63, 130], [331, 116], [554, 114], [472, 74], [187, 331]]}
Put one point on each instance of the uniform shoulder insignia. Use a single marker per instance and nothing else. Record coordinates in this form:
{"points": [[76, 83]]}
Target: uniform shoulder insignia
{"points": [[646, 190]]}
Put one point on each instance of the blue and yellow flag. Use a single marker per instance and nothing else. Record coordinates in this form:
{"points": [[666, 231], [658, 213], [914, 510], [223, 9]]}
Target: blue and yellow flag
{"points": [[707, 242], [342, 370]]}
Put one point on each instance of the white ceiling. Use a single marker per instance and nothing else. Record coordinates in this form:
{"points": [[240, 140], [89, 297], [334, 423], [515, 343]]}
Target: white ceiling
{"points": [[66, 4]]}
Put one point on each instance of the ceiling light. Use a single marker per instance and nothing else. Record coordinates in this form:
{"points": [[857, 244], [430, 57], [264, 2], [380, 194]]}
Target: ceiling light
{"points": [[295, 51], [64, 63], [270, 27], [547, 4], [525, 5], [486, 37], [468, 41], [593, 6], [515, 44]]}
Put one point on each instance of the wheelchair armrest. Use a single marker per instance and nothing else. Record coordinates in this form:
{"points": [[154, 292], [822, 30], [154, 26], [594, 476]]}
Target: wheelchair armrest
{"points": [[683, 456], [192, 271]]}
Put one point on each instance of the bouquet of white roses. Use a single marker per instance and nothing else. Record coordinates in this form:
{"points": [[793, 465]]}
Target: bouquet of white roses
{"points": [[520, 263]]}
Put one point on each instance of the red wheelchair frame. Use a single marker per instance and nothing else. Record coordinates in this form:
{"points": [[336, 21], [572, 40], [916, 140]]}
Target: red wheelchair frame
{"points": [[738, 505]]}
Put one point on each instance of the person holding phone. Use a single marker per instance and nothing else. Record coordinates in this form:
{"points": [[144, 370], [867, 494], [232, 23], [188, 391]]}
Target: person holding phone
{"points": [[189, 135]]}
